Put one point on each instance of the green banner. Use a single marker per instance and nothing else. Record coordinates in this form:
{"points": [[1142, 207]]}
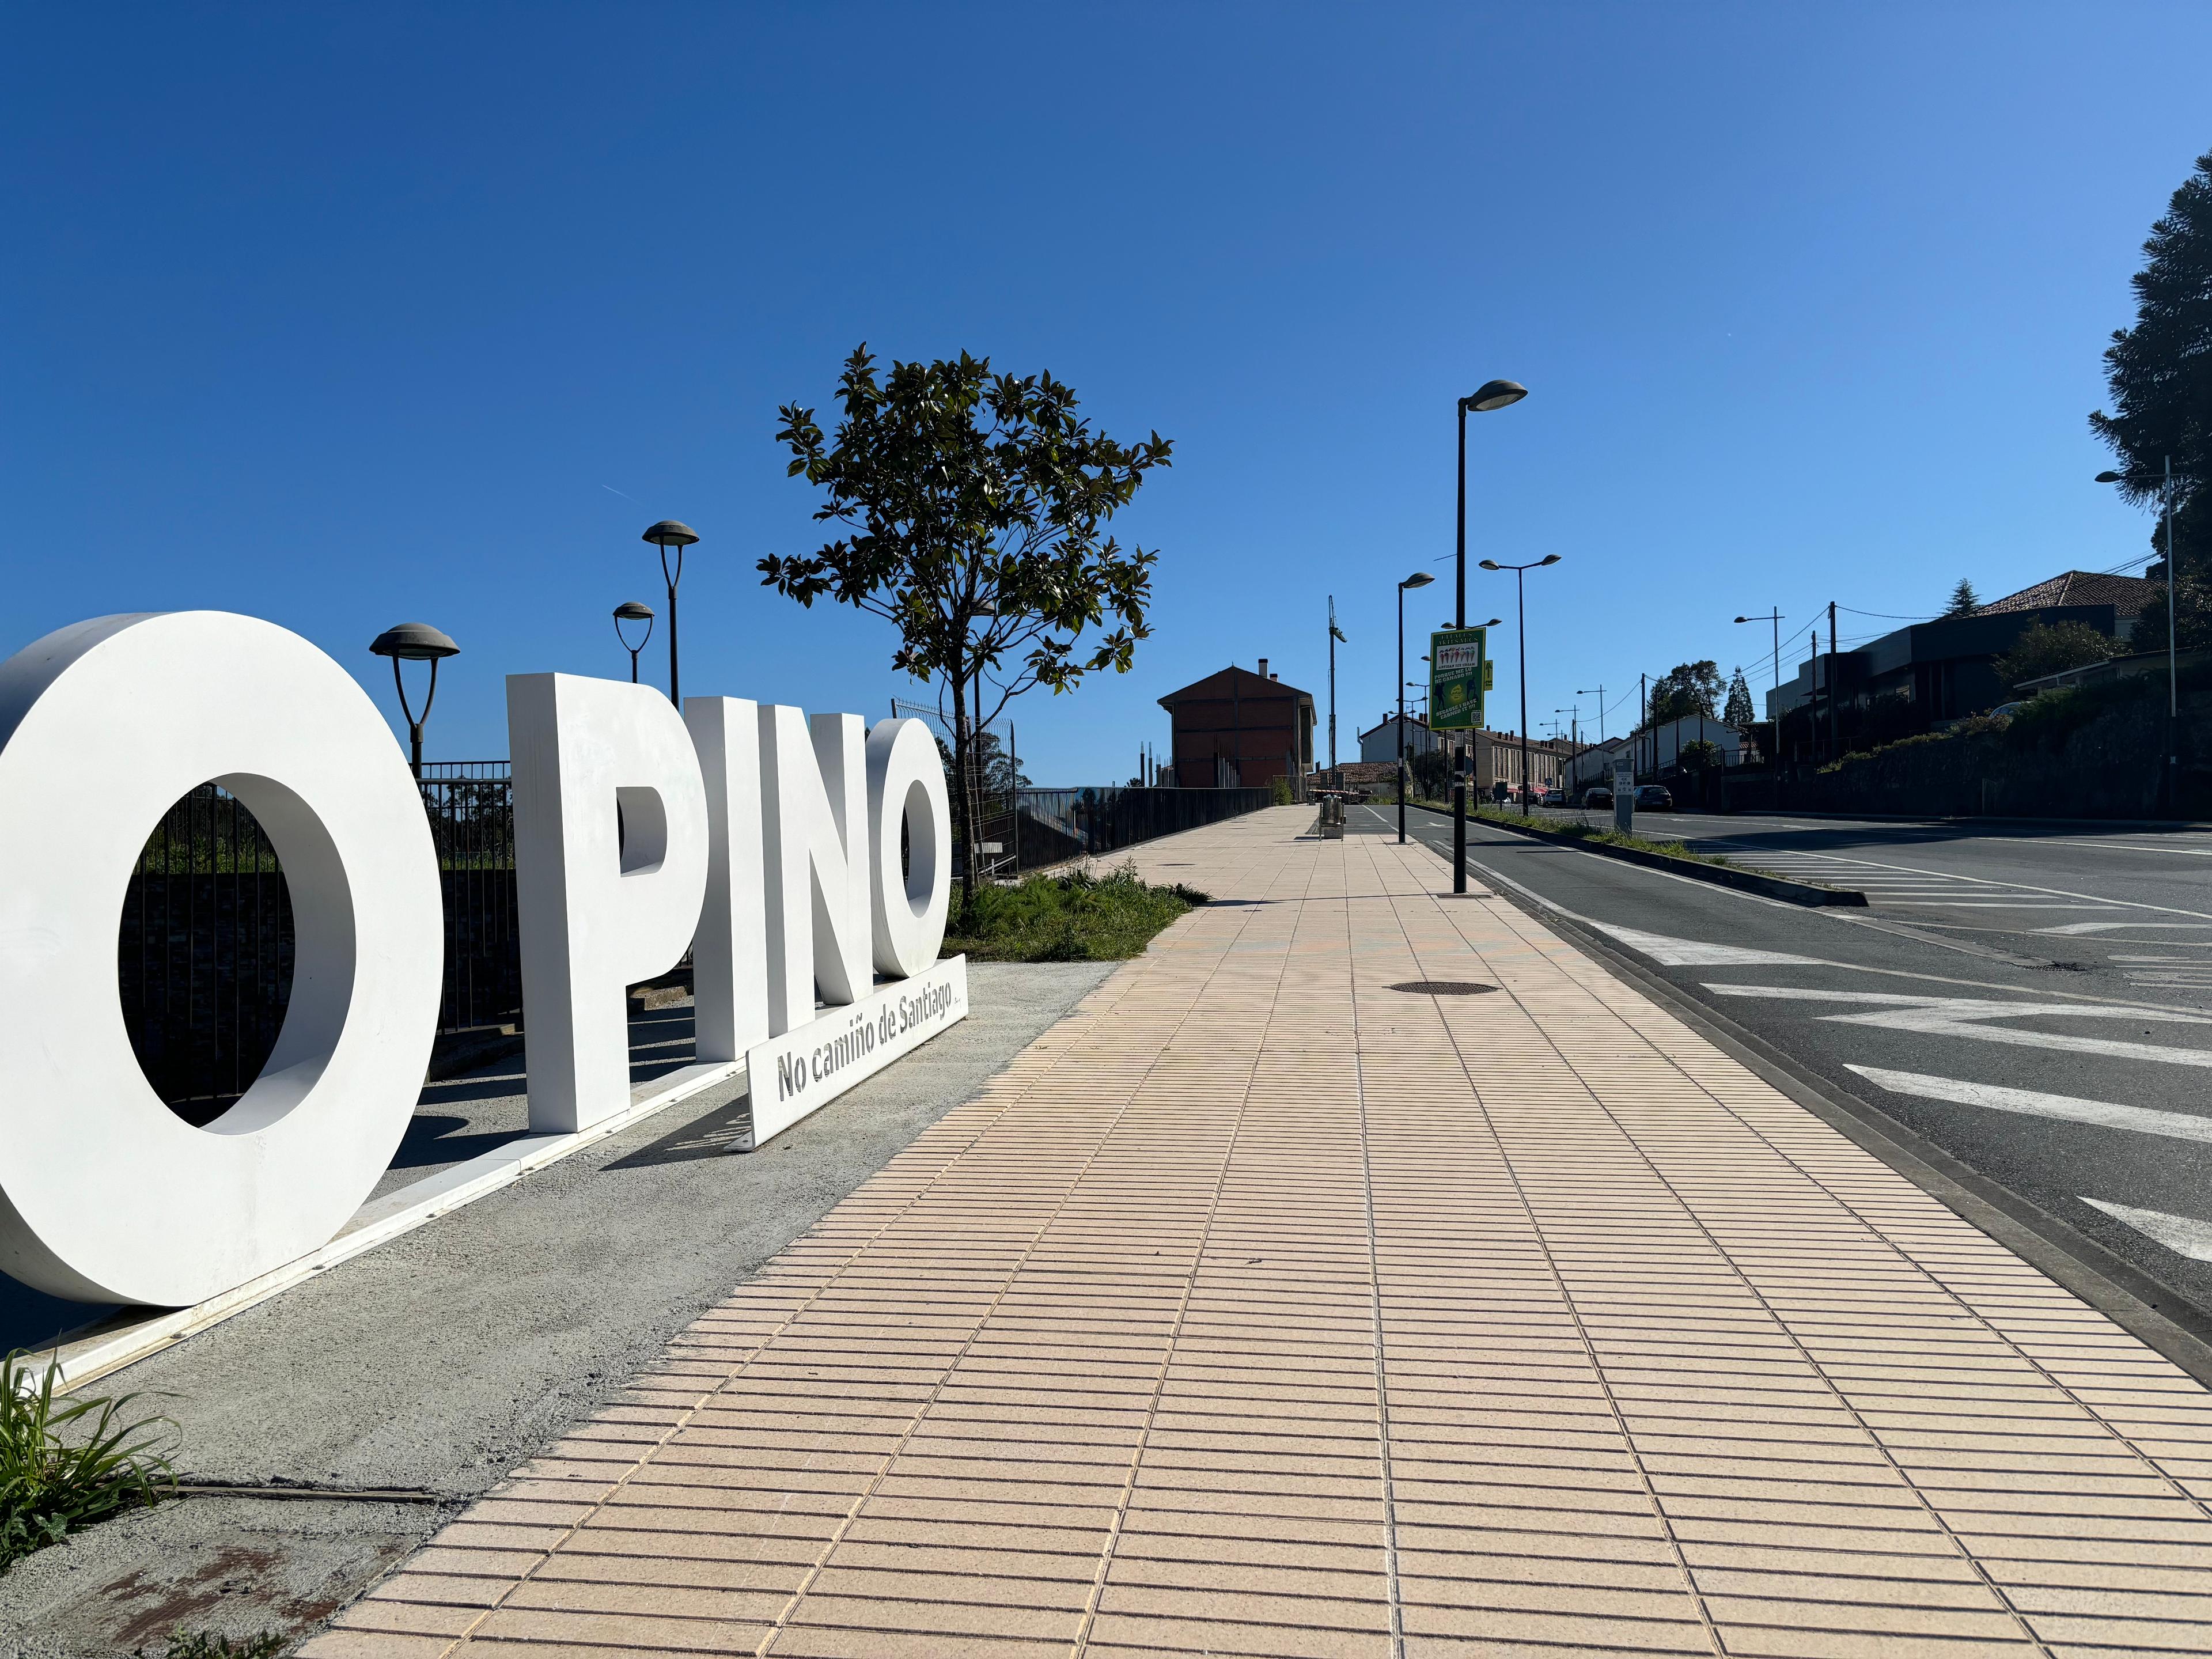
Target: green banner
{"points": [[1459, 673]]}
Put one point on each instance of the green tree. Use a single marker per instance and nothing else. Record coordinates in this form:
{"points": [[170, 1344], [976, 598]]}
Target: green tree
{"points": [[1740, 712], [1964, 600], [1702, 756], [1687, 688], [2160, 375], [976, 505], [1431, 767], [2050, 648]]}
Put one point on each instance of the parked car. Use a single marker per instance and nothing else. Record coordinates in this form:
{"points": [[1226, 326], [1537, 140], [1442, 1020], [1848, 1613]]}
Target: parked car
{"points": [[1597, 795], [1552, 797], [1653, 798]]}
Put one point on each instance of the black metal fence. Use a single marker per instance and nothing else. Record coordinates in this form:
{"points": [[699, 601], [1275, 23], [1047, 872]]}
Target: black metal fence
{"points": [[1050, 826], [205, 952], [203, 956]]}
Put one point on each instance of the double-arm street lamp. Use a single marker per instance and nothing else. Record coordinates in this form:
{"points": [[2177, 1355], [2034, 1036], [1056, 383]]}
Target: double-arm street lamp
{"points": [[1419, 579], [414, 643], [666, 534], [633, 610], [1491, 394], [2165, 480], [1521, 624]]}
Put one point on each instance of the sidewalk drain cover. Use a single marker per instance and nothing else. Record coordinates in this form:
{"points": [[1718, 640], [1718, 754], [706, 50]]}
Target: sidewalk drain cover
{"points": [[1443, 987]]}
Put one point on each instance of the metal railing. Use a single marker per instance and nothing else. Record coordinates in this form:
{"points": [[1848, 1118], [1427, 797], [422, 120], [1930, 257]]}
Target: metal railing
{"points": [[205, 952], [1051, 826]]}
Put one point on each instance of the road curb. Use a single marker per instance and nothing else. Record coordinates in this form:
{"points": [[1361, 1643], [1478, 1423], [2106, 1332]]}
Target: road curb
{"points": [[1721, 875]]}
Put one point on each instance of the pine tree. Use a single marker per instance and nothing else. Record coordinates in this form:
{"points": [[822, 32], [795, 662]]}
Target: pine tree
{"points": [[1964, 600], [1740, 712], [2159, 374]]}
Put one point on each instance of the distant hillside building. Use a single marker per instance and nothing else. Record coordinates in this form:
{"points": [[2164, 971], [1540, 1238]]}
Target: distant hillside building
{"points": [[1238, 729], [1943, 668]]}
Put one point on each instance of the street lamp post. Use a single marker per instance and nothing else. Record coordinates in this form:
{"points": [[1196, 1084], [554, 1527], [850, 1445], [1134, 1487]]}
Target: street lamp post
{"points": [[1419, 579], [2171, 782], [414, 643], [633, 610], [1775, 617], [1521, 624], [1491, 394], [668, 533]]}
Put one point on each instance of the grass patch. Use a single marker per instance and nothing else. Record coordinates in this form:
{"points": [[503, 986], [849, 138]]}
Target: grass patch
{"points": [[65, 1464], [1081, 917], [208, 1644], [1604, 835]]}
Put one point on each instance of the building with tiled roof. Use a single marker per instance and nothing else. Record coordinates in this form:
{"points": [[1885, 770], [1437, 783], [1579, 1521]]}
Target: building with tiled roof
{"points": [[2127, 595]]}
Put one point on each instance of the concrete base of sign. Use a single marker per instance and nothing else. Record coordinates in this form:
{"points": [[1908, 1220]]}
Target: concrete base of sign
{"points": [[804, 1070], [132, 1335]]}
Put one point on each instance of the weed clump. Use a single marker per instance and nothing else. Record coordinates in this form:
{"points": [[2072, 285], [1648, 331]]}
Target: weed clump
{"points": [[65, 1464], [1080, 917]]}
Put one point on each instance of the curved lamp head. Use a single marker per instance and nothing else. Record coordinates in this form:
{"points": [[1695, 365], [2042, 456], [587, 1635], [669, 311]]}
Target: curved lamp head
{"points": [[2111, 478], [633, 610], [1487, 564], [1494, 622], [671, 532], [413, 642], [1549, 558], [1496, 394], [1419, 579]]}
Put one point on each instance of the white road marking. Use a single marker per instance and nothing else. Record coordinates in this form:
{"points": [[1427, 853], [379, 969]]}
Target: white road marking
{"points": [[1966, 1016], [2141, 1119], [1692, 953], [2110, 926], [2183, 1235], [1839, 865]]}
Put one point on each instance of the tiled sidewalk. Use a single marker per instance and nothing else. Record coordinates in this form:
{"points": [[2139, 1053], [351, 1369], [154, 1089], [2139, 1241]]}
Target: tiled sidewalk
{"points": [[1260, 1309]]}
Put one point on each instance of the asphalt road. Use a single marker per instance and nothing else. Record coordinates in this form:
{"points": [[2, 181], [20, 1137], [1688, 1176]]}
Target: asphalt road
{"points": [[2030, 1007]]}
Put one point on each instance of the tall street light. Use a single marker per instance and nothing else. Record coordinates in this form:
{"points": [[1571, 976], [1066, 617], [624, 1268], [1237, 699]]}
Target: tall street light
{"points": [[1775, 617], [1521, 624], [1419, 579], [668, 533], [633, 610], [1491, 394], [2165, 480], [414, 643]]}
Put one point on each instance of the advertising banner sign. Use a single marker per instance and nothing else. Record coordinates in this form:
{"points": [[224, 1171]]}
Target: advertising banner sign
{"points": [[1459, 673]]}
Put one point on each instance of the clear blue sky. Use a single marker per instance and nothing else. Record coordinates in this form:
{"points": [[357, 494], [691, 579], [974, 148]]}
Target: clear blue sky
{"points": [[347, 315]]}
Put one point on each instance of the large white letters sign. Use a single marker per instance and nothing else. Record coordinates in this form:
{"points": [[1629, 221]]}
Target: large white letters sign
{"points": [[105, 1193], [797, 859], [609, 869]]}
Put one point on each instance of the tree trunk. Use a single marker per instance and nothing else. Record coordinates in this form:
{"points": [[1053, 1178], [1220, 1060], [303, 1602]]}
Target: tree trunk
{"points": [[963, 798]]}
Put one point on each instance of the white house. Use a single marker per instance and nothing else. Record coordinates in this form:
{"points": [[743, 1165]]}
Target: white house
{"points": [[1657, 749], [1381, 743]]}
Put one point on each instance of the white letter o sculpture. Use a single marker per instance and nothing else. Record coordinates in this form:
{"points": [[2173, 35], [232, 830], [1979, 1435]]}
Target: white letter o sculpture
{"points": [[105, 1193], [906, 784]]}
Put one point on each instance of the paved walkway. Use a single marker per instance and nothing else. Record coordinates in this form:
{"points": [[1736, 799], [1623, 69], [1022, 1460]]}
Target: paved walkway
{"points": [[1261, 1309]]}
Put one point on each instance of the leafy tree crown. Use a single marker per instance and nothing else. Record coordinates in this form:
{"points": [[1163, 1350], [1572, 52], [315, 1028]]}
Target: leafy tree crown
{"points": [[1687, 688], [976, 507]]}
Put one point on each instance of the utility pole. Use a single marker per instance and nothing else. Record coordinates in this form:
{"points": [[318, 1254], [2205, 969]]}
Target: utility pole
{"points": [[1812, 692], [1835, 744]]}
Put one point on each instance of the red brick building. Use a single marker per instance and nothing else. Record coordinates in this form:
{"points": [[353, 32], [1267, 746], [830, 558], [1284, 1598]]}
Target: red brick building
{"points": [[1238, 727]]}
